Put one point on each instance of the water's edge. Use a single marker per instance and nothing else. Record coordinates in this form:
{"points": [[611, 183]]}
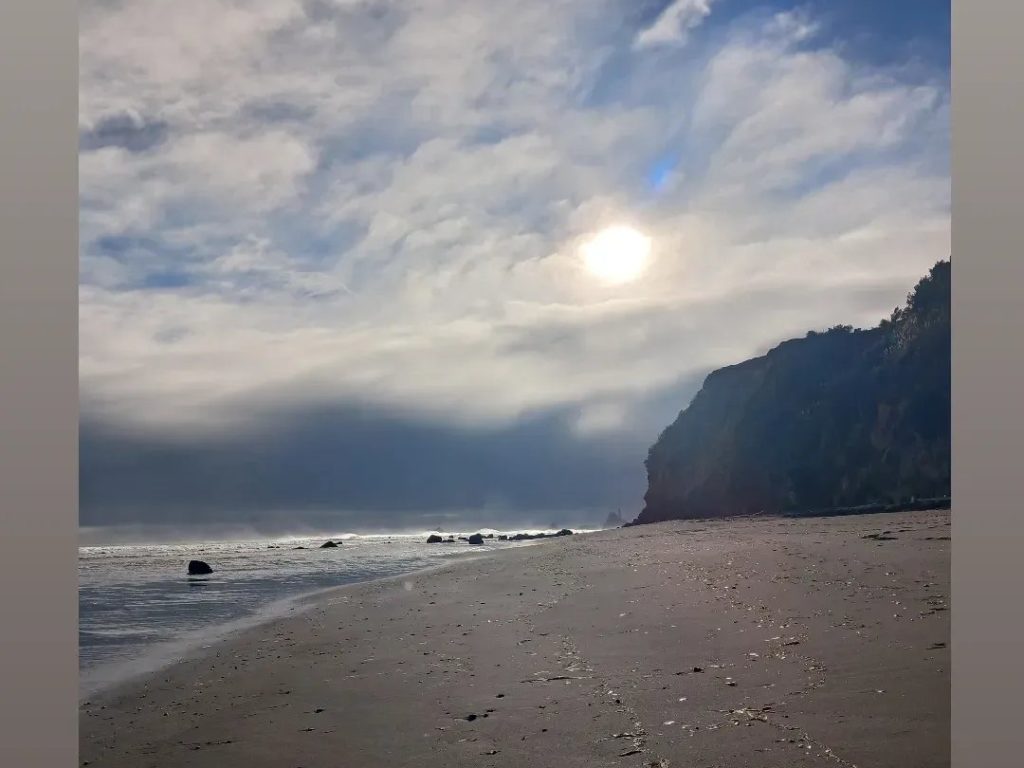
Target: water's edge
{"points": [[106, 680]]}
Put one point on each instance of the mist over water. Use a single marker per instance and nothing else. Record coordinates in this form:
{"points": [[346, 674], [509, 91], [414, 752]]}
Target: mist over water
{"points": [[138, 608], [269, 526]]}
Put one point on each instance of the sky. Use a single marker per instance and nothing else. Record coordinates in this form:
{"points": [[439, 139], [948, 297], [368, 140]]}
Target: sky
{"points": [[330, 249]]}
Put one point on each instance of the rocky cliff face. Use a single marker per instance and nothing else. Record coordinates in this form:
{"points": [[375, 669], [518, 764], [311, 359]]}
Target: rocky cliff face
{"points": [[835, 419]]}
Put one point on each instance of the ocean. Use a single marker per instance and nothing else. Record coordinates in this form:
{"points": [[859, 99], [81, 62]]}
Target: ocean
{"points": [[139, 610]]}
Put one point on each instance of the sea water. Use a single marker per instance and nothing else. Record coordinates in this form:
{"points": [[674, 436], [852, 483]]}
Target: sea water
{"points": [[139, 610]]}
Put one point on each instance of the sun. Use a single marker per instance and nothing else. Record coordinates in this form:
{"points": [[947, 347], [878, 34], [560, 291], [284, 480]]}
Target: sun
{"points": [[617, 254]]}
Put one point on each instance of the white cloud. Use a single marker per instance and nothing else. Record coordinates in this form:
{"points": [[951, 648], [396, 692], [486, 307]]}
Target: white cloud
{"points": [[784, 109], [381, 202], [262, 171], [674, 24]]}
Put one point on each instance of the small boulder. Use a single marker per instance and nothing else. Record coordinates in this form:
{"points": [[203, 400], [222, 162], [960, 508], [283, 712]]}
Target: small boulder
{"points": [[503, 537], [564, 532], [476, 538], [328, 545], [198, 568], [434, 539]]}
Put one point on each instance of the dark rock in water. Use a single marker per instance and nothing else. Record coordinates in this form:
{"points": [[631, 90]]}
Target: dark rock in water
{"points": [[434, 539], [530, 536], [198, 568], [328, 545], [463, 538], [476, 538], [298, 547], [503, 537], [489, 536], [564, 532]]}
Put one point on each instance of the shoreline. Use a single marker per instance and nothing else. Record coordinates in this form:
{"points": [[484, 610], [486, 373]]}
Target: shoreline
{"points": [[195, 645], [818, 642]]}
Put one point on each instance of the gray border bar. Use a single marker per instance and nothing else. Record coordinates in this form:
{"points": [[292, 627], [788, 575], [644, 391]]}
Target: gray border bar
{"points": [[988, 384], [38, 383]]}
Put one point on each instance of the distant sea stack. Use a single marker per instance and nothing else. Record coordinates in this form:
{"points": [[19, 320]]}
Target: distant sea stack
{"points": [[614, 520], [837, 419]]}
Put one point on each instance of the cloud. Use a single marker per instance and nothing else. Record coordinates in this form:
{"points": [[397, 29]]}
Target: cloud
{"points": [[674, 24], [786, 112], [301, 206], [392, 468], [127, 130]]}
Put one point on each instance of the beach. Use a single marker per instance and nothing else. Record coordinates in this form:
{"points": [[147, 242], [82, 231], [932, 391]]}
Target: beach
{"points": [[746, 642]]}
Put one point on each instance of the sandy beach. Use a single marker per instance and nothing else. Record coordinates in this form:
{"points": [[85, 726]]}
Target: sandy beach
{"points": [[756, 642]]}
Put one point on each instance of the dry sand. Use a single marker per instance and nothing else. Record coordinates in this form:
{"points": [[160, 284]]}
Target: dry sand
{"points": [[816, 647]]}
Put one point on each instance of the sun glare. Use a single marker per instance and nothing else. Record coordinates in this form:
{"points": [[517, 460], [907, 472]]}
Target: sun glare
{"points": [[617, 254]]}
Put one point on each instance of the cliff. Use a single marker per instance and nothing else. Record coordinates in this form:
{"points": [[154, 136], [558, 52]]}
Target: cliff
{"points": [[837, 419]]}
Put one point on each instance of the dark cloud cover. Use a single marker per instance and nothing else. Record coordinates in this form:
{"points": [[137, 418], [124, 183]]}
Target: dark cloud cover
{"points": [[355, 459], [382, 469], [124, 131]]}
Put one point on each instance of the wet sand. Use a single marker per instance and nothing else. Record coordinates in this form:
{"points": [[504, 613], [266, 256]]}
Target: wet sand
{"points": [[762, 642]]}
